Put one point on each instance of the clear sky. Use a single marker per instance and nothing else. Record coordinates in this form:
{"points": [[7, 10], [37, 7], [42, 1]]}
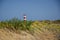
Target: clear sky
{"points": [[34, 9]]}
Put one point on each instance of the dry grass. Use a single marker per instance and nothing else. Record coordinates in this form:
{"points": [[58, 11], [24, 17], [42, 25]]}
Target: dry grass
{"points": [[32, 31]]}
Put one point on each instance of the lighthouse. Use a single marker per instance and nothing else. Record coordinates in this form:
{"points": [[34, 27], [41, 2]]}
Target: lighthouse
{"points": [[24, 17]]}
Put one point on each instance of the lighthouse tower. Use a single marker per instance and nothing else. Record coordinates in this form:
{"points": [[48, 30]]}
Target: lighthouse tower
{"points": [[24, 17]]}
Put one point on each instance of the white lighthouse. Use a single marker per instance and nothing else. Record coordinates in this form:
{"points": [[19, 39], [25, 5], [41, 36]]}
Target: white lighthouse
{"points": [[24, 17]]}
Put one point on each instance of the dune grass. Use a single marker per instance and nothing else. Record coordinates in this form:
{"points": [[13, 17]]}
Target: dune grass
{"points": [[16, 24], [44, 27]]}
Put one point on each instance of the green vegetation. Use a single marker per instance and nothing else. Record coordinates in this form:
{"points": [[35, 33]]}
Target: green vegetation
{"points": [[44, 27], [16, 24]]}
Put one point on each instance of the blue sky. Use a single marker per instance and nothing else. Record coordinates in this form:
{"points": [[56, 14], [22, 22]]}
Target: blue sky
{"points": [[34, 9]]}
